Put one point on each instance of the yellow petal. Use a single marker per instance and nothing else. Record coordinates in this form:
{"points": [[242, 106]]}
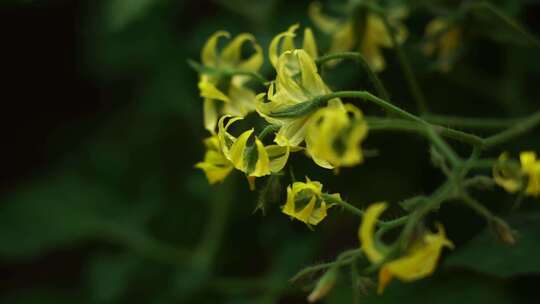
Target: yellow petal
{"points": [[209, 55], [262, 166], [210, 115], [274, 50], [278, 156], [528, 159], [367, 230], [344, 38], [311, 80], [232, 53], [309, 44], [323, 22], [208, 90], [238, 151], [420, 262]]}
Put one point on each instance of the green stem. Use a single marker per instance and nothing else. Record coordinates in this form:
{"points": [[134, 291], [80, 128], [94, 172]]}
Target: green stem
{"points": [[414, 87], [388, 124], [343, 259], [365, 95], [375, 80], [469, 122], [216, 224], [334, 200], [518, 129], [443, 147], [479, 208], [269, 129], [507, 20]]}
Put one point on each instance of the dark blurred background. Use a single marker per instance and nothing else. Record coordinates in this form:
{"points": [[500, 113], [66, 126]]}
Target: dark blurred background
{"points": [[101, 125]]}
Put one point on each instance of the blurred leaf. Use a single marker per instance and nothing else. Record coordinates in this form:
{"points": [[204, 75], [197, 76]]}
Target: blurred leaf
{"points": [[109, 276], [484, 254], [122, 12], [48, 214], [444, 289], [49, 296]]}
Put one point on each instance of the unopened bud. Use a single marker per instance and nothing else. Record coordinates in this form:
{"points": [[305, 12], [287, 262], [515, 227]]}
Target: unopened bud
{"points": [[324, 286], [503, 232]]}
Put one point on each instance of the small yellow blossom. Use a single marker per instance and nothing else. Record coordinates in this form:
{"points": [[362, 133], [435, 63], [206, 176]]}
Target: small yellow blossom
{"points": [[375, 36], [418, 262], [227, 95], [334, 134], [444, 39], [512, 179], [507, 176], [305, 202], [216, 166], [297, 82], [248, 154]]}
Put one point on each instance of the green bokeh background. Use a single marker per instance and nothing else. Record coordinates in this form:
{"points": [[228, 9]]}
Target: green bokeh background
{"points": [[102, 124]]}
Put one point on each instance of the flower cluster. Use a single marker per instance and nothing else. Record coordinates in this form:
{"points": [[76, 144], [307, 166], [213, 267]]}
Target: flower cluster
{"points": [[331, 136], [254, 129]]}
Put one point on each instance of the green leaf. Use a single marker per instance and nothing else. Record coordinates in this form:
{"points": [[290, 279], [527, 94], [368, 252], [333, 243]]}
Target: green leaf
{"points": [[486, 255]]}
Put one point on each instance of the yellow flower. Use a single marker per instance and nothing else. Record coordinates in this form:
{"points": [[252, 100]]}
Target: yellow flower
{"points": [[531, 167], [297, 81], [248, 154], [419, 261], [227, 95], [334, 134], [305, 202], [216, 166], [444, 39], [512, 179], [346, 33], [506, 175]]}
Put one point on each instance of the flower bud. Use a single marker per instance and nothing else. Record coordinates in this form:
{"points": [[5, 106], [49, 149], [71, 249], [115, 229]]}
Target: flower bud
{"points": [[324, 285]]}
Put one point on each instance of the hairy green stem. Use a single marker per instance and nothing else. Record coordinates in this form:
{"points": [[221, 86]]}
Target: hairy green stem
{"points": [[375, 80]]}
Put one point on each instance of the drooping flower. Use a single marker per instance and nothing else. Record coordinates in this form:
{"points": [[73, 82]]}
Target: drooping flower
{"points": [[514, 179], [215, 165], [305, 202], [418, 262], [334, 134], [227, 95], [370, 36], [297, 82], [248, 154], [445, 40]]}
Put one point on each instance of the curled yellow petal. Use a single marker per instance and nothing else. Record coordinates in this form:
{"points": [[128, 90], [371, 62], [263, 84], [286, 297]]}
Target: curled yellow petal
{"points": [[325, 23], [215, 165], [419, 262], [209, 54], [367, 231], [276, 49]]}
